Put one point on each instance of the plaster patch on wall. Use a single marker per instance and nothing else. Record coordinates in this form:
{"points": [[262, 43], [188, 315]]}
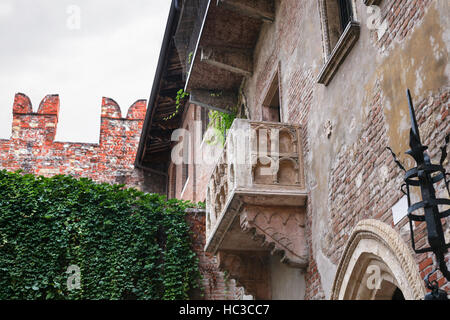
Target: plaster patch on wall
{"points": [[397, 74], [328, 128], [419, 80], [312, 181], [446, 33], [384, 173], [404, 124], [447, 235], [405, 232], [400, 210], [358, 180], [327, 271]]}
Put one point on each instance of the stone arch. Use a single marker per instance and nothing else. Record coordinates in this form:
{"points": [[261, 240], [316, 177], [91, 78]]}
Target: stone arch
{"points": [[263, 171], [287, 171], [376, 252], [288, 141]]}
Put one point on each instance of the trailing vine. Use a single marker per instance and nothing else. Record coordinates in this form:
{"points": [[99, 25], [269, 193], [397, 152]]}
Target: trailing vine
{"points": [[226, 279], [181, 95], [126, 243], [190, 57]]}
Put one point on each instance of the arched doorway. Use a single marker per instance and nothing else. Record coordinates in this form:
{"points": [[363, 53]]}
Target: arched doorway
{"points": [[377, 265]]}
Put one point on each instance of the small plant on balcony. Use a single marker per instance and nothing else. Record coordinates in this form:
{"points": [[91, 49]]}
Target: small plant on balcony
{"points": [[221, 122]]}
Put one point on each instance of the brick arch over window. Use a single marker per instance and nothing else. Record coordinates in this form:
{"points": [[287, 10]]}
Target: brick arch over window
{"points": [[376, 250]]}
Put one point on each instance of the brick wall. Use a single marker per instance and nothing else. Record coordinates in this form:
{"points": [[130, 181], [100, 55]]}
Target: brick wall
{"points": [[215, 284], [32, 148], [401, 16], [365, 181], [350, 174]]}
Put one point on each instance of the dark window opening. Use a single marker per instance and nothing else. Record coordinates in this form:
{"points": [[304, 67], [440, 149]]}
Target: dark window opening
{"points": [[398, 295], [345, 8], [339, 14], [271, 110]]}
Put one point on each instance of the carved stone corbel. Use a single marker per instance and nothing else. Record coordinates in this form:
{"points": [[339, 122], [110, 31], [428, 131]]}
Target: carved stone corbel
{"points": [[282, 230]]}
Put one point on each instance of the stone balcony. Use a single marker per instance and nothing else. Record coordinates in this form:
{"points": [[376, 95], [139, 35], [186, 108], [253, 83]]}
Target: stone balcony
{"points": [[255, 202]]}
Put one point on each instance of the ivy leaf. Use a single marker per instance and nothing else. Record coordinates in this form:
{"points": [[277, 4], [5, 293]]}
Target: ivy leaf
{"points": [[125, 244]]}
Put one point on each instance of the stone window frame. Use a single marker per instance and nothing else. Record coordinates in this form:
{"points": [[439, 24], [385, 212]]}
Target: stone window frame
{"points": [[269, 91], [334, 57]]}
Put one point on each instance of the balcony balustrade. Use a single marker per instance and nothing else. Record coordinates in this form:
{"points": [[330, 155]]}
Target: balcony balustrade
{"points": [[255, 200]]}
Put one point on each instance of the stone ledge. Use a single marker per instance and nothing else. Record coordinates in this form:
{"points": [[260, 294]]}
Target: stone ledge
{"points": [[195, 210], [280, 230], [341, 50], [372, 2]]}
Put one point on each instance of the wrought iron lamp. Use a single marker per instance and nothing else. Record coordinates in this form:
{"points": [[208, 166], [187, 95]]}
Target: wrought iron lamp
{"points": [[424, 176]]}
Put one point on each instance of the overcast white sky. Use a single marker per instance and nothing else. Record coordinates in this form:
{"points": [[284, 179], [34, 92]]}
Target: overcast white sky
{"points": [[82, 50]]}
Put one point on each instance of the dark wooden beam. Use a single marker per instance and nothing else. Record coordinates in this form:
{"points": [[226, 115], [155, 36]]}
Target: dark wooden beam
{"points": [[233, 60], [258, 9], [220, 101]]}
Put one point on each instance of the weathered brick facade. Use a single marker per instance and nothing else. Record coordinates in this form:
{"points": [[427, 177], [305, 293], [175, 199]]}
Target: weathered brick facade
{"points": [[344, 91], [32, 148], [215, 284], [347, 123], [363, 181]]}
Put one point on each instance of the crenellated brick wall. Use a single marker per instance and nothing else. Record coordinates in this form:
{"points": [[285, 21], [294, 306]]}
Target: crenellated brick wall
{"points": [[33, 149]]}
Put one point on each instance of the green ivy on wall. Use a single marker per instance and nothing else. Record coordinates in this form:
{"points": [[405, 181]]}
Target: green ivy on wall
{"points": [[127, 244], [221, 122]]}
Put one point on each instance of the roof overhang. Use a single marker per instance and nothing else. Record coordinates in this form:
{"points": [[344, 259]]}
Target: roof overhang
{"points": [[223, 55], [155, 141], [207, 50]]}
